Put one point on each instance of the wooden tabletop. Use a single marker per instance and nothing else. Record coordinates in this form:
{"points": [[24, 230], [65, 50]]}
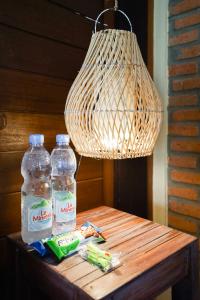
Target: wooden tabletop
{"points": [[153, 258]]}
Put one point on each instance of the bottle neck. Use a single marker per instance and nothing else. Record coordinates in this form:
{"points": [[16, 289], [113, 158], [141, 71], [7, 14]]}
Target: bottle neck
{"points": [[62, 145], [39, 145]]}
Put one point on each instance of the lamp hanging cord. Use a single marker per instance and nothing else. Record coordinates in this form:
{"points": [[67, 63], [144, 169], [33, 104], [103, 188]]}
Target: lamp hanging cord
{"points": [[116, 5], [78, 166]]}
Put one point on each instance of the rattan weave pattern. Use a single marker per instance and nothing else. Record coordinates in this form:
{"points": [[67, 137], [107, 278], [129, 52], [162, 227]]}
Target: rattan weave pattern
{"points": [[113, 109]]}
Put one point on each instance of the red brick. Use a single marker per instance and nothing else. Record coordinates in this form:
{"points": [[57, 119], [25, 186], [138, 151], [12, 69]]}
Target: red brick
{"points": [[185, 146], [186, 115], [188, 52], [183, 6], [183, 38], [188, 209], [182, 69], [183, 100], [181, 223], [185, 177], [186, 84], [187, 193], [183, 161], [183, 129], [187, 21]]}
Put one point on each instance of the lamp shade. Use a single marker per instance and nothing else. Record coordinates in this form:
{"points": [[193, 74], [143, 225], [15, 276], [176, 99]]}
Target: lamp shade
{"points": [[113, 109]]}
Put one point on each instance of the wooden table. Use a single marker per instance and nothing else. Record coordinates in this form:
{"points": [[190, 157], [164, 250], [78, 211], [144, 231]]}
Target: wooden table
{"points": [[154, 257]]}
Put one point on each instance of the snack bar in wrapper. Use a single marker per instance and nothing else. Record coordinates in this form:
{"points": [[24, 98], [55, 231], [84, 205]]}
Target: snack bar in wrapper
{"points": [[92, 232], [64, 244], [105, 260]]}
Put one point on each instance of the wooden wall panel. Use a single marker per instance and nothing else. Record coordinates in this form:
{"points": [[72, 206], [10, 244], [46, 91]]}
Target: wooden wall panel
{"points": [[44, 18], [10, 213], [23, 51], [28, 92], [90, 168], [89, 193], [16, 127], [10, 172], [90, 8], [42, 46]]}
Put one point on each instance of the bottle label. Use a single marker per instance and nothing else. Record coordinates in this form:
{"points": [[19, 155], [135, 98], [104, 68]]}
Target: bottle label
{"points": [[40, 215], [64, 206]]}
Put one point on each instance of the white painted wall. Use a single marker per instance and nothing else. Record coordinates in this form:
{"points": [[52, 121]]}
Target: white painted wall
{"points": [[160, 157], [160, 71]]}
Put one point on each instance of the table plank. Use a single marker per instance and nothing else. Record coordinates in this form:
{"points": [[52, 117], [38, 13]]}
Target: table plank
{"points": [[104, 218]]}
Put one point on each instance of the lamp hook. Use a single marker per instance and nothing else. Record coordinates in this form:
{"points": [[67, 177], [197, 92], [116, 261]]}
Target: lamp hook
{"points": [[116, 5]]}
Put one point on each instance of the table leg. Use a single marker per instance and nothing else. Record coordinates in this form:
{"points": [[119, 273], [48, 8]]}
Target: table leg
{"points": [[188, 287], [22, 284]]}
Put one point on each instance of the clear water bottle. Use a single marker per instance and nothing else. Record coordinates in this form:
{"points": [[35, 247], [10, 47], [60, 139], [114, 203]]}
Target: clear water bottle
{"points": [[63, 162], [36, 202]]}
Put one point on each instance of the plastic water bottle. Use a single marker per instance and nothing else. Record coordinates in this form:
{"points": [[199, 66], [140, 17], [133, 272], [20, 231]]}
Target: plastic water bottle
{"points": [[36, 202], [63, 162]]}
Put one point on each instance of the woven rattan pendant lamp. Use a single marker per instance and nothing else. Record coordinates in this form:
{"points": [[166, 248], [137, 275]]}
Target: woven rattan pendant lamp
{"points": [[113, 110]]}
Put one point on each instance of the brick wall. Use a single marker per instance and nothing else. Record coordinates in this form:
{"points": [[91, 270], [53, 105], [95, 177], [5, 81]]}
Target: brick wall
{"points": [[184, 115]]}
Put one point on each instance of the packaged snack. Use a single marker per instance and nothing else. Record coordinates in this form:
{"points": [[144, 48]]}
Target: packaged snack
{"points": [[64, 244], [92, 232], [105, 260], [39, 247]]}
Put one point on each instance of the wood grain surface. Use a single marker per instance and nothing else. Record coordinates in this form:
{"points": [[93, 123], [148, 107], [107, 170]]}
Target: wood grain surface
{"points": [[153, 257], [30, 53], [42, 46], [89, 8], [28, 92], [45, 18]]}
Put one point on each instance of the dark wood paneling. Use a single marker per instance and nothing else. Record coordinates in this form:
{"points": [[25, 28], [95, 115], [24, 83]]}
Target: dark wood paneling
{"points": [[89, 195], [90, 168], [10, 213], [43, 18], [10, 173], [11, 178], [109, 17], [22, 51], [131, 186], [27, 92], [42, 48], [18, 126], [90, 8]]}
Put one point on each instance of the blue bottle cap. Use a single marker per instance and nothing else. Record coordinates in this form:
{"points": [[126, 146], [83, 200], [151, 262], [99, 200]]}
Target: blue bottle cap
{"points": [[35, 139], [62, 139]]}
